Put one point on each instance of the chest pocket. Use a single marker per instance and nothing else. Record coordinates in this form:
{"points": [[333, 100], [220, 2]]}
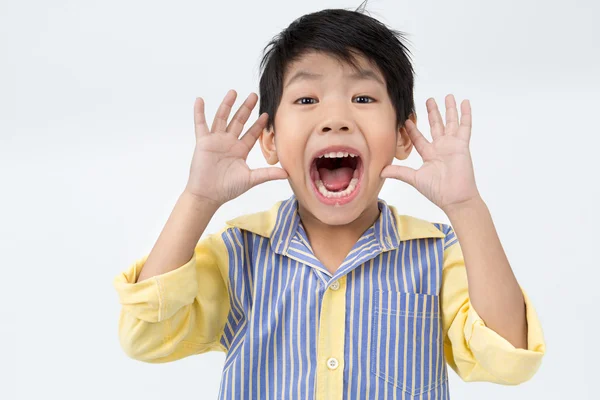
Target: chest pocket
{"points": [[406, 341]]}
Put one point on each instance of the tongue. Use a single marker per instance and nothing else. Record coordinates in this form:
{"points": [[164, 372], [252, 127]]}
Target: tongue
{"points": [[336, 179]]}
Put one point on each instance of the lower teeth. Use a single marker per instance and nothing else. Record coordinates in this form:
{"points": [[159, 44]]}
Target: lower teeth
{"points": [[343, 193]]}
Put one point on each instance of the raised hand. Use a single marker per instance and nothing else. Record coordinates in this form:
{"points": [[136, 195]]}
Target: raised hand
{"points": [[446, 177], [219, 172]]}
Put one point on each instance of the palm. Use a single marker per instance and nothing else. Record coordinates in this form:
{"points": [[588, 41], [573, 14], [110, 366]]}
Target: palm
{"points": [[219, 171], [225, 158], [446, 177]]}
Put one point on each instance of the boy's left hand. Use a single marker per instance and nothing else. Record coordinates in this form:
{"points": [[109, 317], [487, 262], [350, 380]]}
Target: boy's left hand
{"points": [[446, 177]]}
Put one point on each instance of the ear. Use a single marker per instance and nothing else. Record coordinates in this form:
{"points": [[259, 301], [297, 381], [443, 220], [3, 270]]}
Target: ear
{"points": [[267, 145], [403, 143]]}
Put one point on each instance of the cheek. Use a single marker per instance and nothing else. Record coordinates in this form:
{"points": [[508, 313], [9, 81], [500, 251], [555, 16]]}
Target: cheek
{"points": [[383, 148], [290, 152]]}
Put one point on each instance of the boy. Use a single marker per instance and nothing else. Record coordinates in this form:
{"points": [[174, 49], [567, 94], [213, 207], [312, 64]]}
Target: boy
{"points": [[332, 294]]}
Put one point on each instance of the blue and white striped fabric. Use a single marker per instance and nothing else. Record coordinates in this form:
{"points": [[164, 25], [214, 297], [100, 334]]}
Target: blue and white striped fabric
{"points": [[381, 338]]}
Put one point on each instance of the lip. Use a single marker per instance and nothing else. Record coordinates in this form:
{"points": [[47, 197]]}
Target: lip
{"points": [[337, 200], [330, 149]]}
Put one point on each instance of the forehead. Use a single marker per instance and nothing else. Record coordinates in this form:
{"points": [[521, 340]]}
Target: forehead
{"points": [[314, 66]]}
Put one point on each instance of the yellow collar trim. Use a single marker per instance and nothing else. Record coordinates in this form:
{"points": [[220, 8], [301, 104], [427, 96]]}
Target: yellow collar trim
{"points": [[409, 227]]}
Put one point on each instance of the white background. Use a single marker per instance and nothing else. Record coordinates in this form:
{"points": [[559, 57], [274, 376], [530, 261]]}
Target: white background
{"points": [[96, 139]]}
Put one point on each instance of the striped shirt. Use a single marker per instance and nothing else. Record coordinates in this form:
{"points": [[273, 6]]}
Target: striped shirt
{"points": [[385, 325]]}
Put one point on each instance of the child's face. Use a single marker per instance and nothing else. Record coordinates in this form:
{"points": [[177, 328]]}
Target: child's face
{"points": [[338, 116]]}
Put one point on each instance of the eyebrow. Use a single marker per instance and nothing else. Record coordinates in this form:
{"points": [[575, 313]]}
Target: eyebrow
{"points": [[361, 74]]}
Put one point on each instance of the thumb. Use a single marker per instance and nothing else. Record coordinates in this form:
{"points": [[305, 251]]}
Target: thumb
{"points": [[400, 172], [262, 175]]}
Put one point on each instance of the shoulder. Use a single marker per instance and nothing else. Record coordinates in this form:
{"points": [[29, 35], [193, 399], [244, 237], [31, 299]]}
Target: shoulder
{"points": [[412, 227], [261, 223]]}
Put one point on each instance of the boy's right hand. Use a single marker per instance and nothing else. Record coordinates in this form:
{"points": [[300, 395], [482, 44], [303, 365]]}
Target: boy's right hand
{"points": [[219, 172]]}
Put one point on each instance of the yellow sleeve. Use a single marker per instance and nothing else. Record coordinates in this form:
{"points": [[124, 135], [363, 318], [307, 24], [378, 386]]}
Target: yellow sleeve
{"points": [[178, 313], [474, 351]]}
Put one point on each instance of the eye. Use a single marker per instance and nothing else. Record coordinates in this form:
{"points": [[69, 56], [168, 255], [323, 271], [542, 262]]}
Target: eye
{"points": [[304, 98], [365, 97], [370, 100]]}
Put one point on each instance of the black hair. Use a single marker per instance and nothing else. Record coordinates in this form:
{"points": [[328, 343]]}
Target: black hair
{"points": [[342, 34]]}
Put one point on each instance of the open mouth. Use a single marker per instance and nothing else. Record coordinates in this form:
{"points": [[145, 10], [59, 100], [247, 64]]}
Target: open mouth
{"points": [[336, 176]]}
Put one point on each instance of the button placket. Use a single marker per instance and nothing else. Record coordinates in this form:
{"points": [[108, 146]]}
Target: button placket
{"points": [[330, 345]]}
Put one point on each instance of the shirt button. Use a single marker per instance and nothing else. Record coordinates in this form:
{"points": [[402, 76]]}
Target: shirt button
{"points": [[332, 363], [335, 285]]}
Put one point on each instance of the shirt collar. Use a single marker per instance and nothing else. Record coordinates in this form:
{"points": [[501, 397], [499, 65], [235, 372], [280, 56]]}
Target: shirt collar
{"points": [[280, 224]]}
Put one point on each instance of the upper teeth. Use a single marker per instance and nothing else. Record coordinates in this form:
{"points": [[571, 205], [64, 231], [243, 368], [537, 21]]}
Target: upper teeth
{"points": [[338, 154]]}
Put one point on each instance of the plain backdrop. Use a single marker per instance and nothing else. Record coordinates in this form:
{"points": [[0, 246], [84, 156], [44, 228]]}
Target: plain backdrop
{"points": [[96, 139]]}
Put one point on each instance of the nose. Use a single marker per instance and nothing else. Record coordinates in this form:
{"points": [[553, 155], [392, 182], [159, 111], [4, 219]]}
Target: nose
{"points": [[340, 126], [337, 117], [336, 124]]}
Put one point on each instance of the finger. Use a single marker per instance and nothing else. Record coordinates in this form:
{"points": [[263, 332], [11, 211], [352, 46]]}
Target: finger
{"points": [[416, 137], [200, 126], [464, 130], [252, 135], [400, 172], [242, 114], [451, 116], [262, 175], [220, 122], [435, 118]]}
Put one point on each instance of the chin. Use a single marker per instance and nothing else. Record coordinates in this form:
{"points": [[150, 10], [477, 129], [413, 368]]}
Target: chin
{"points": [[336, 214]]}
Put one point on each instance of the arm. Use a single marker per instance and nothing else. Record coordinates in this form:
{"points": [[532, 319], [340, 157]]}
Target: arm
{"points": [[176, 243], [447, 179], [493, 289], [218, 174], [177, 313], [473, 350], [175, 301], [482, 279]]}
